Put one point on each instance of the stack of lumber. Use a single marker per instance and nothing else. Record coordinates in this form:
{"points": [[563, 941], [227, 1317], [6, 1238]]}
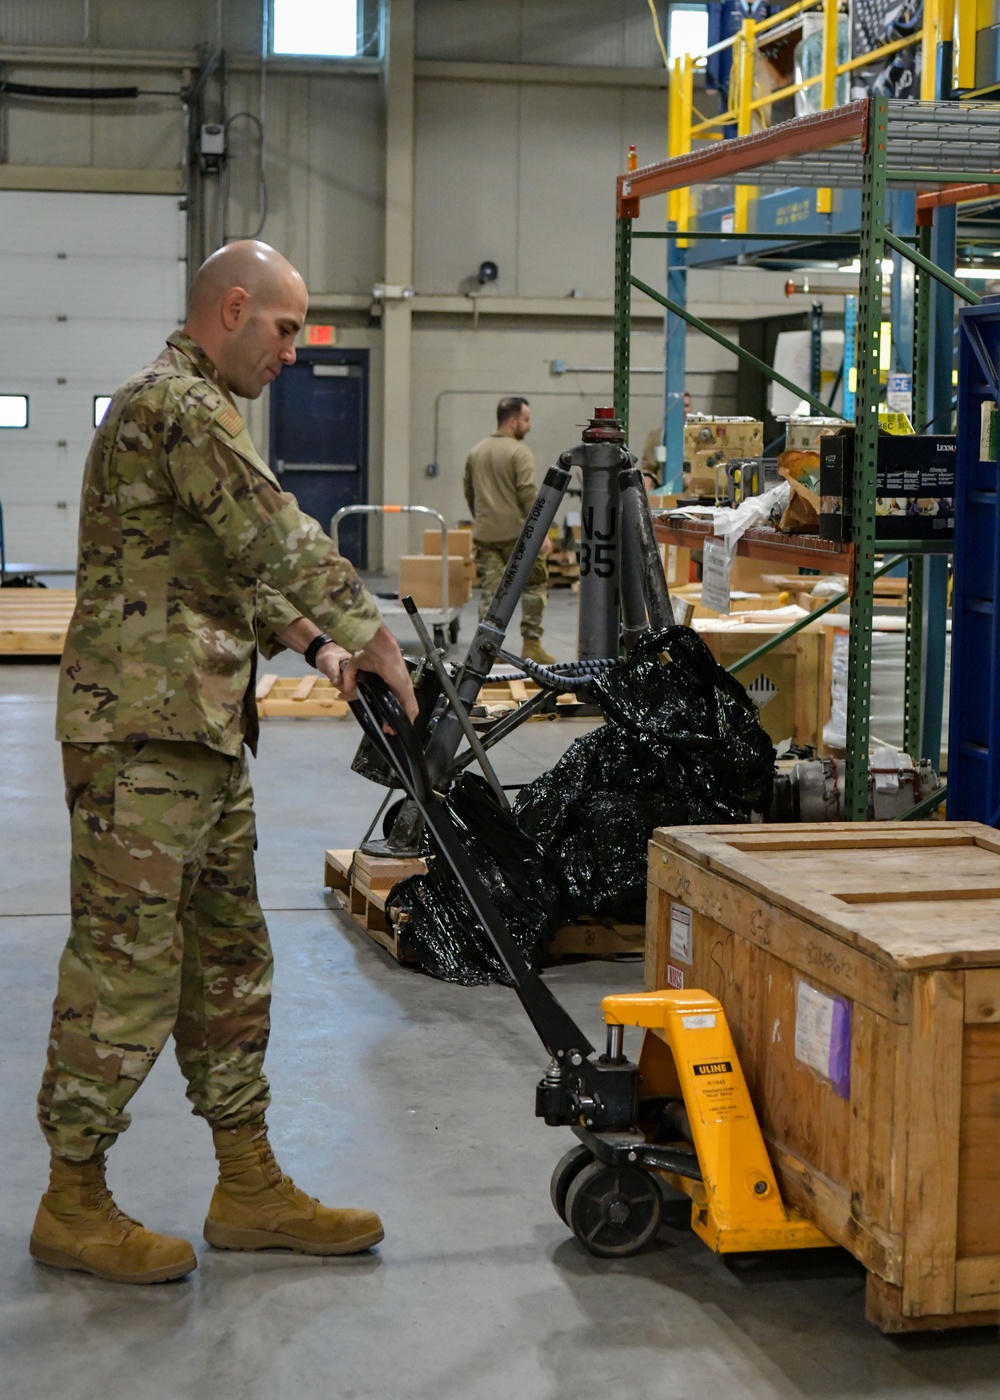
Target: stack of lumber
{"points": [[33, 621]]}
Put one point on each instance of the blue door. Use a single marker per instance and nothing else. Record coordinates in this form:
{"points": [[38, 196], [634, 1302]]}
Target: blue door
{"points": [[319, 439]]}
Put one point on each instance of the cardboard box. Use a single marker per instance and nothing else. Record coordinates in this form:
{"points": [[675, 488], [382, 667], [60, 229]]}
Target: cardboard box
{"points": [[420, 577], [858, 965], [676, 564], [459, 542], [914, 492], [748, 574]]}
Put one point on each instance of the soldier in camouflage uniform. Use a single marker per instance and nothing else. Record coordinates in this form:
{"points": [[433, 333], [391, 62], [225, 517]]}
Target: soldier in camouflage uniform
{"points": [[191, 557], [500, 490]]}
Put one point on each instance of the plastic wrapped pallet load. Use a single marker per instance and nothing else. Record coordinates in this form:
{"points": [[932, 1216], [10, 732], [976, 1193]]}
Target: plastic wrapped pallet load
{"points": [[888, 684]]}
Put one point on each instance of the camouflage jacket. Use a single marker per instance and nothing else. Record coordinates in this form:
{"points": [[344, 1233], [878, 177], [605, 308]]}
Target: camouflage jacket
{"points": [[187, 545]]}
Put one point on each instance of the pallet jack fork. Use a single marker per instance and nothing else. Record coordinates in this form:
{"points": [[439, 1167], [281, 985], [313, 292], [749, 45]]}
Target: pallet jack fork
{"points": [[682, 1113]]}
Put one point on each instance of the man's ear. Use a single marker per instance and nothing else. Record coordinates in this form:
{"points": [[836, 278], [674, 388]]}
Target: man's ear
{"points": [[234, 307]]}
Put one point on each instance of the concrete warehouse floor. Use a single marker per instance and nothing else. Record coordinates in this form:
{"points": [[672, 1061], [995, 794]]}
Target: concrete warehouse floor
{"points": [[414, 1097]]}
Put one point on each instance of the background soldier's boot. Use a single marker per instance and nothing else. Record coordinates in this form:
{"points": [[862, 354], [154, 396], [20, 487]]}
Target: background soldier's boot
{"points": [[78, 1226], [256, 1206], [532, 650]]}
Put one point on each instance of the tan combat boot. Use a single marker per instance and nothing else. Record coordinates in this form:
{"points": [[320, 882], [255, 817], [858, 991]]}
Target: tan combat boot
{"points": [[78, 1226], [256, 1206], [532, 650]]}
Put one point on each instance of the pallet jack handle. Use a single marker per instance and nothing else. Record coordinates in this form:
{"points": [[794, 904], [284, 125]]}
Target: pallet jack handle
{"points": [[385, 722]]}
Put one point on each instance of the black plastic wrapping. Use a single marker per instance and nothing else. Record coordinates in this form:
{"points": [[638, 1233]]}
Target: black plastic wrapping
{"points": [[442, 929], [683, 745]]}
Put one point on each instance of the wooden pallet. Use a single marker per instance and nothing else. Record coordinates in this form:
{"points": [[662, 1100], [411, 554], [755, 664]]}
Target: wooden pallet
{"points": [[33, 621], [312, 697], [563, 567], [362, 884], [498, 697], [592, 937]]}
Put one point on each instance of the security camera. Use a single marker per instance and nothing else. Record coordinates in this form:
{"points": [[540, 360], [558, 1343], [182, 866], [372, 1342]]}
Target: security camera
{"points": [[488, 272]]}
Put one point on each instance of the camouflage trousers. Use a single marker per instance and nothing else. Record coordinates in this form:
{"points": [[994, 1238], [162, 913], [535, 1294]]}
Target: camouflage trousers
{"points": [[491, 560], [167, 938]]}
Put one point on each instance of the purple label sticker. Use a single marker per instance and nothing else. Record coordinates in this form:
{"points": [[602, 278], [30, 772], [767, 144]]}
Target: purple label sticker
{"points": [[823, 1035], [840, 1047]]}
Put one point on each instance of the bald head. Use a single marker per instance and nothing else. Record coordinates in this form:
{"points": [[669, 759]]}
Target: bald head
{"points": [[247, 305]]}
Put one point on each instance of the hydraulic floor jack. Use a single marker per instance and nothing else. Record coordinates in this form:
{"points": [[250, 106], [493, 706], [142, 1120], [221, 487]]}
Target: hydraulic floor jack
{"points": [[682, 1113], [623, 593]]}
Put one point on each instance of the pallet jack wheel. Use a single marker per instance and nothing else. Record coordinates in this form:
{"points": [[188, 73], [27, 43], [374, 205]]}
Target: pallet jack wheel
{"points": [[568, 1167], [613, 1211]]}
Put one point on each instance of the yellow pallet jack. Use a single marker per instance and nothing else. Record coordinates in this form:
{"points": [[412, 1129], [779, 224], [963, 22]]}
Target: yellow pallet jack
{"points": [[688, 1056], [681, 1114]]}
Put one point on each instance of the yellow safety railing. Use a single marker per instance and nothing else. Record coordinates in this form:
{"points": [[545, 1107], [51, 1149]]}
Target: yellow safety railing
{"points": [[939, 20]]}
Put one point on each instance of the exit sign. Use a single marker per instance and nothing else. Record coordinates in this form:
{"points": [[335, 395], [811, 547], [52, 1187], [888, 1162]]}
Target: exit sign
{"points": [[321, 335]]}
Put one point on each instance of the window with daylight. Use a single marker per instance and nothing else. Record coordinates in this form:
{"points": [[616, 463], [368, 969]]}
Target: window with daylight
{"points": [[687, 30], [101, 402], [13, 410], [317, 28]]}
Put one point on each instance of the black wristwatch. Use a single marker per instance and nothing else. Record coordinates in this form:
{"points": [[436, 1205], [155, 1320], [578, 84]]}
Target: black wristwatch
{"points": [[320, 641]]}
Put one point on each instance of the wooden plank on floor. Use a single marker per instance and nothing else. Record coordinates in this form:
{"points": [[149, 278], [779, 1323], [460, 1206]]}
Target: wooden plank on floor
{"points": [[34, 621]]}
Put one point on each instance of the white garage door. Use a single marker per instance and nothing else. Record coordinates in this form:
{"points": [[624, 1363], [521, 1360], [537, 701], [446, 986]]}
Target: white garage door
{"points": [[90, 286]]}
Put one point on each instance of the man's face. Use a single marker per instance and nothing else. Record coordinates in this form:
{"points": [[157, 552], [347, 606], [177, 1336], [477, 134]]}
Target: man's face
{"points": [[262, 341], [522, 423]]}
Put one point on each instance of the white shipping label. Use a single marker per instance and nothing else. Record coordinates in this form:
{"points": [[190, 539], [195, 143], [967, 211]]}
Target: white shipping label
{"points": [[813, 1027], [680, 932], [899, 393], [823, 1035], [716, 569]]}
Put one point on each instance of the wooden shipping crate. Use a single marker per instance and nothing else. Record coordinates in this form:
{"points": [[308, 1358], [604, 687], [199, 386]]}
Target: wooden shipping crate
{"points": [[749, 602], [859, 968], [790, 684]]}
